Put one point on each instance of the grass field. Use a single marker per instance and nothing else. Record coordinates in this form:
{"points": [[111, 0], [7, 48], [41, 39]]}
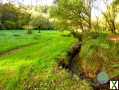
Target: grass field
{"points": [[14, 39], [29, 62]]}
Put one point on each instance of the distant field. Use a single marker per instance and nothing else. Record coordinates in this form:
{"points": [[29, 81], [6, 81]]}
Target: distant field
{"points": [[14, 39], [33, 66]]}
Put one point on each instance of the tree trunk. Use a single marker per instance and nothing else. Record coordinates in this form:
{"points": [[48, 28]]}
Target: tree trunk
{"points": [[29, 31], [113, 28], [90, 7], [90, 26]]}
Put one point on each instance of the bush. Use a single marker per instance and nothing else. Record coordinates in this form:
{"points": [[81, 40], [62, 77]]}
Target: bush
{"points": [[97, 55], [41, 22], [12, 17]]}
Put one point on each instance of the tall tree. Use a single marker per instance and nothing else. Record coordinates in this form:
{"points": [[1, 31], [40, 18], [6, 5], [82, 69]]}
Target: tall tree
{"points": [[89, 6], [76, 14]]}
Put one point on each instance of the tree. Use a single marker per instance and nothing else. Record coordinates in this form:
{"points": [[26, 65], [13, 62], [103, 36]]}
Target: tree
{"points": [[76, 14], [111, 14], [40, 22], [12, 17], [89, 6], [41, 9], [55, 1], [8, 16]]}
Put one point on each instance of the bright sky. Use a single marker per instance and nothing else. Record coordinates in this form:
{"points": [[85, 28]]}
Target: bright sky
{"points": [[31, 2], [99, 7]]}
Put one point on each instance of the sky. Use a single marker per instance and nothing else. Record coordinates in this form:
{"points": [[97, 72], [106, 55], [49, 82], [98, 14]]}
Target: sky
{"points": [[32, 2], [98, 4], [99, 7]]}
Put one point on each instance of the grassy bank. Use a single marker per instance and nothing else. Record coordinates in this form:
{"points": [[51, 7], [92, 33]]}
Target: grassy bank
{"points": [[99, 54]]}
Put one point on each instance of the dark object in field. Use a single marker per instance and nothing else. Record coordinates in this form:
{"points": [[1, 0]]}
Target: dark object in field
{"points": [[16, 35], [29, 31], [39, 29]]}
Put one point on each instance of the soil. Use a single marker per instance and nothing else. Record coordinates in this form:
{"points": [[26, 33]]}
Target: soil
{"points": [[71, 58], [114, 38]]}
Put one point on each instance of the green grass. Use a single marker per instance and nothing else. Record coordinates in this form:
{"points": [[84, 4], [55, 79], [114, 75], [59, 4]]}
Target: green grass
{"points": [[14, 39], [35, 66], [29, 62], [100, 54]]}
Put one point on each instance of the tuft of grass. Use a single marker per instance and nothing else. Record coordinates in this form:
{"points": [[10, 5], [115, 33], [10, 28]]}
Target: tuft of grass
{"points": [[99, 54]]}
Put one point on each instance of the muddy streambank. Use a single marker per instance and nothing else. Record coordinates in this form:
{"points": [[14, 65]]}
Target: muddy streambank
{"points": [[71, 64]]}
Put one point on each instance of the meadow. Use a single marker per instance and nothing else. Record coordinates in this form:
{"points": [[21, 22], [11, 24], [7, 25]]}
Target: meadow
{"points": [[29, 62]]}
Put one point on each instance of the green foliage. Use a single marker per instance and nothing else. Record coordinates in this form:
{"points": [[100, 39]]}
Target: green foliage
{"points": [[12, 17], [41, 9], [10, 39], [71, 14], [40, 22], [111, 15], [100, 51]]}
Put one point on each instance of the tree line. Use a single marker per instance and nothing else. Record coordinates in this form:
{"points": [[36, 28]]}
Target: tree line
{"points": [[76, 15], [73, 15], [20, 17]]}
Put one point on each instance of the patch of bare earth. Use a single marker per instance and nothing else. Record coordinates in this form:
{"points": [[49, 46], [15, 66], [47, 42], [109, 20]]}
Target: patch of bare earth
{"points": [[114, 38]]}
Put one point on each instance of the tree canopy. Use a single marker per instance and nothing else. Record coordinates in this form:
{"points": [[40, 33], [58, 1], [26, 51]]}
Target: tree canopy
{"points": [[12, 17], [76, 14]]}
